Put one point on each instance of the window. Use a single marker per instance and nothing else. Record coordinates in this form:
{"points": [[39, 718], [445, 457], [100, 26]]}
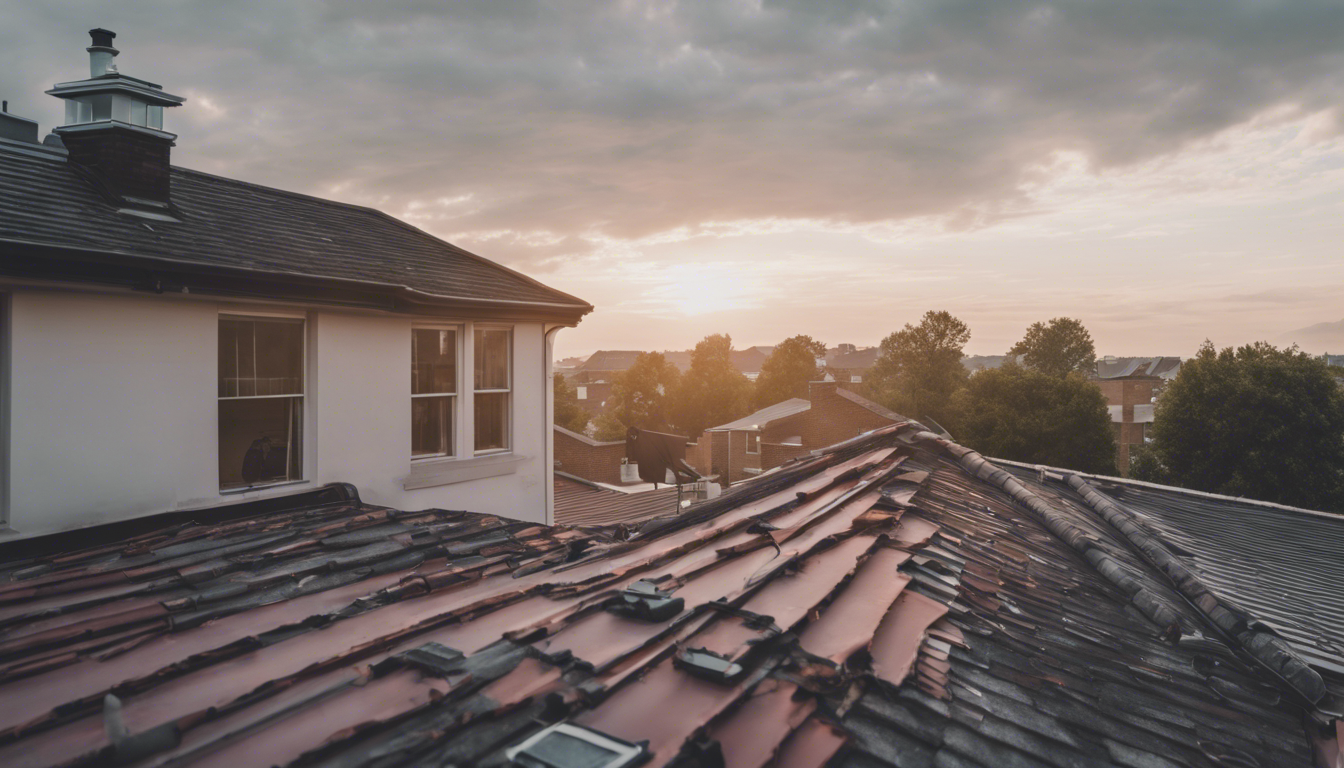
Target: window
{"points": [[753, 442], [433, 391], [582, 393], [261, 362], [493, 385]]}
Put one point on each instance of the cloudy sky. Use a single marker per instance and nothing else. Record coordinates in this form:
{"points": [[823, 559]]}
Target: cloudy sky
{"points": [[1164, 171]]}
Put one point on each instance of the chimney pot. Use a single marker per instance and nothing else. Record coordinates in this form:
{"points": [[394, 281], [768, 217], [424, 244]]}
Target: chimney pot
{"points": [[102, 38]]}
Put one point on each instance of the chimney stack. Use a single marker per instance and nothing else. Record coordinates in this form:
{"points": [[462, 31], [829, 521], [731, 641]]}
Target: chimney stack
{"points": [[114, 130]]}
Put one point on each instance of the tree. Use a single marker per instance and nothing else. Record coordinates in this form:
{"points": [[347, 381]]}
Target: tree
{"points": [[639, 397], [1255, 421], [1057, 347], [713, 391], [1021, 414], [568, 413], [788, 370], [920, 367]]}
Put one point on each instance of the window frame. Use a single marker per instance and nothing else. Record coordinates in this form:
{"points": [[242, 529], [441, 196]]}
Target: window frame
{"points": [[508, 392], [753, 437], [460, 329], [303, 418]]}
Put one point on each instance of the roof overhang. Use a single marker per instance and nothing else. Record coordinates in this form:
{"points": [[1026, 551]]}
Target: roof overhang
{"points": [[151, 274]]}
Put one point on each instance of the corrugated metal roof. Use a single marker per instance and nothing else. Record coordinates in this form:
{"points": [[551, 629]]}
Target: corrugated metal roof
{"points": [[1121, 367], [760, 419], [578, 502], [893, 601], [230, 223]]}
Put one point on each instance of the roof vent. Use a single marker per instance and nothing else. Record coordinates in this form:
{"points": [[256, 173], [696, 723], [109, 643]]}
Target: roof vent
{"points": [[565, 745], [707, 665]]}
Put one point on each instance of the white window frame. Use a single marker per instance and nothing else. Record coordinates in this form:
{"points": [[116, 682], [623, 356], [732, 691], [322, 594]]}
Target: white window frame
{"points": [[753, 437], [461, 331], [508, 417], [305, 414]]}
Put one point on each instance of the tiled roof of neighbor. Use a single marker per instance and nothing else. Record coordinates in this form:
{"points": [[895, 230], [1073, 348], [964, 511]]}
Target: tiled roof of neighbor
{"points": [[229, 223], [610, 360], [580, 502], [780, 410], [1120, 367], [896, 600]]}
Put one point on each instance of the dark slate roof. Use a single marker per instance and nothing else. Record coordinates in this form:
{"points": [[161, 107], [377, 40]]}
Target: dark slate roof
{"points": [[230, 223], [581, 502], [1122, 367], [895, 600], [783, 409]]}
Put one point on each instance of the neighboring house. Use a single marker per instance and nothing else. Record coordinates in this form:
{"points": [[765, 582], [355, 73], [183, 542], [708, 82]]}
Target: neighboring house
{"points": [[849, 365], [579, 501], [593, 379], [786, 430], [747, 361], [1131, 386], [174, 339], [582, 456], [895, 601]]}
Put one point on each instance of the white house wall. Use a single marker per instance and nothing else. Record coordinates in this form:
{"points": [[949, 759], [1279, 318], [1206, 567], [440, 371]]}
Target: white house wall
{"points": [[114, 412]]}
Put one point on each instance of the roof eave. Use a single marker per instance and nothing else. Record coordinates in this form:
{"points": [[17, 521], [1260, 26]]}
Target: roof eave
{"points": [[154, 274]]}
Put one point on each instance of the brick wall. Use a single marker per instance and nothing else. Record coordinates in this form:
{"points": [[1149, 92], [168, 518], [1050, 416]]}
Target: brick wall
{"points": [[589, 459], [1128, 393], [129, 162], [775, 454], [833, 418]]}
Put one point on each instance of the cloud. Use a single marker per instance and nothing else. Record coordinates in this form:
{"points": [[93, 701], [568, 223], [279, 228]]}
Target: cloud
{"points": [[630, 118]]}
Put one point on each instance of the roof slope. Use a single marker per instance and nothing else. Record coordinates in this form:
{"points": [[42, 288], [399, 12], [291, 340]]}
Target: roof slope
{"points": [[860, 400], [1121, 367], [579, 502], [893, 601], [783, 409], [229, 223], [610, 360]]}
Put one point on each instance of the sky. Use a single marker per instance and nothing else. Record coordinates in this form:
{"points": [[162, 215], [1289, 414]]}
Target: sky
{"points": [[1164, 171]]}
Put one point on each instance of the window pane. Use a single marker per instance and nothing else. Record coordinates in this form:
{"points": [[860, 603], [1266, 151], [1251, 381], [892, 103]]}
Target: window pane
{"points": [[433, 361], [492, 421], [260, 357], [432, 426], [492, 359], [259, 441]]}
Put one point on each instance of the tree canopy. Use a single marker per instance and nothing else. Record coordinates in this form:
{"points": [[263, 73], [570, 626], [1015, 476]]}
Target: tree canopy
{"points": [[788, 370], [1021, 414], [1057, 348], [712, 391], [920, 367], [568, 413], [640, 397], [1254, 421]]}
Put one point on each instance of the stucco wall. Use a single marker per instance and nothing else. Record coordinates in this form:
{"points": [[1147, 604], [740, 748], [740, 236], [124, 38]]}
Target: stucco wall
{"points": [[114, 412]]}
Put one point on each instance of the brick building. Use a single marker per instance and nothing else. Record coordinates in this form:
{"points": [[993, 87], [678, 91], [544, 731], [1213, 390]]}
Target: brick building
{"points": [[1131, 385], [584, 457], [771, 436]]}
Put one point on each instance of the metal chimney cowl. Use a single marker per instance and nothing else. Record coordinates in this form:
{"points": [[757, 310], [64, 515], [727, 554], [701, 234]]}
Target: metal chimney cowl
{"points": [[114, 130]]}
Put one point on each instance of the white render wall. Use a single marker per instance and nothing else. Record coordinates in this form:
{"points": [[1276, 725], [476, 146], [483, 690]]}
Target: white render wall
{"points": [[114, 414]]}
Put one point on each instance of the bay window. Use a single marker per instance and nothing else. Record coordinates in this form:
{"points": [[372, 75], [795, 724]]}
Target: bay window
{"points": [[492, 352], [261, 397], [433, 392]]}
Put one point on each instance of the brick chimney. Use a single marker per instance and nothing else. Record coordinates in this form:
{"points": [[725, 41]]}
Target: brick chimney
{"points": [[114, 130]]}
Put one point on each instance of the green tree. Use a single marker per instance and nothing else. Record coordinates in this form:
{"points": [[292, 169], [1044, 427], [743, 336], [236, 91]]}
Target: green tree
{"points": [[568, 413], [1056, 348], [639, 397], [1021, 414], [919, 367], [787, 371], [1255, 421], [712, 391]]}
